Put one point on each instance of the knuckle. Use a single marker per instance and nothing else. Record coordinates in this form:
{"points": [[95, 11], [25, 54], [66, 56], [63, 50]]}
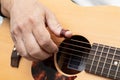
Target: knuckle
{"points": [[34, 53], [32, 20], [55, 49], [45, 42], [17, 29], [14, 31], [21, 28], [22, 53]]}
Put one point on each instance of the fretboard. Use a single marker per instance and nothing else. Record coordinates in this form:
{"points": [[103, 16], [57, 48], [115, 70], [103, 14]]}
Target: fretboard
{"points": [[104, 60]]}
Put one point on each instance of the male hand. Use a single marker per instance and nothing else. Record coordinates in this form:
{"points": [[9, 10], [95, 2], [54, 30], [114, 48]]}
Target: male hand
{"points": [[28, 19]]}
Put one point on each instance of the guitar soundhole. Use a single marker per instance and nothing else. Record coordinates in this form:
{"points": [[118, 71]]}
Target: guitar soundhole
{"points": [[73, 54]]}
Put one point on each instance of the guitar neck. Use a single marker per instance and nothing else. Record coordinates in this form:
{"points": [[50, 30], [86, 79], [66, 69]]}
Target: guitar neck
{"points": [[104, 61]]}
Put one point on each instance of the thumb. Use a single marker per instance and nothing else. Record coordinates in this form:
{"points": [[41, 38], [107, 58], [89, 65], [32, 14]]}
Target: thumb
{"points": [[55, 27]]}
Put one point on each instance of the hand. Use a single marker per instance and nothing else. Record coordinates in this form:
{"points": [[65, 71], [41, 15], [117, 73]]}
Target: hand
{"points": [[28, 19]]}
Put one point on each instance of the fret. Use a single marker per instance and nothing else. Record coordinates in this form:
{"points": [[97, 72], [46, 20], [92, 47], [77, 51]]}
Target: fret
{"points": [[119, 67], [107, 49], [91, 56], [101, 64], [111, 55], [116, 72], [112, 69], [117, 57], [117, 64], [96, 46], [99, 58], [118, 52], [95, 60], [117, 75], [111, 61], [104, 60], [95, 63], [113, 73]]}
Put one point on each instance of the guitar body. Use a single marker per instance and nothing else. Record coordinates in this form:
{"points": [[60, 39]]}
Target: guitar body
{"points": [[99, 24]]}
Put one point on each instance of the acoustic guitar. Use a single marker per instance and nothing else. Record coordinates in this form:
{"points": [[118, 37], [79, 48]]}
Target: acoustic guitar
{"points": [[92, 53]]}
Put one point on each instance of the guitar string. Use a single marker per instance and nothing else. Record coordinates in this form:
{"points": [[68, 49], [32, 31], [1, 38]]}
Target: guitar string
{"points": [[91, 55], [87, 53], [86, 42], [74, 40], [83, 42], [79, 41], [86, 58], [98, 56], [90, 64], [89, 48], [87, 63]]}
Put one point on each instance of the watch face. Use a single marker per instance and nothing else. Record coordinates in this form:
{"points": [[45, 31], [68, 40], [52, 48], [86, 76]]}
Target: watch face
{"points": [[1, 20]]}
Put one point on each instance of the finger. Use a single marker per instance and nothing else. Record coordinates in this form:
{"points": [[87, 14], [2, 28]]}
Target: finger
{"points": [[54, 25], [43, 37], [21, 49], [17, 39], [33, 48]]}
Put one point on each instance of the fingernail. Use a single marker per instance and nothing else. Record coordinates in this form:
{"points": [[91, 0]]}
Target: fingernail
{"points": [[64, 32]]}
